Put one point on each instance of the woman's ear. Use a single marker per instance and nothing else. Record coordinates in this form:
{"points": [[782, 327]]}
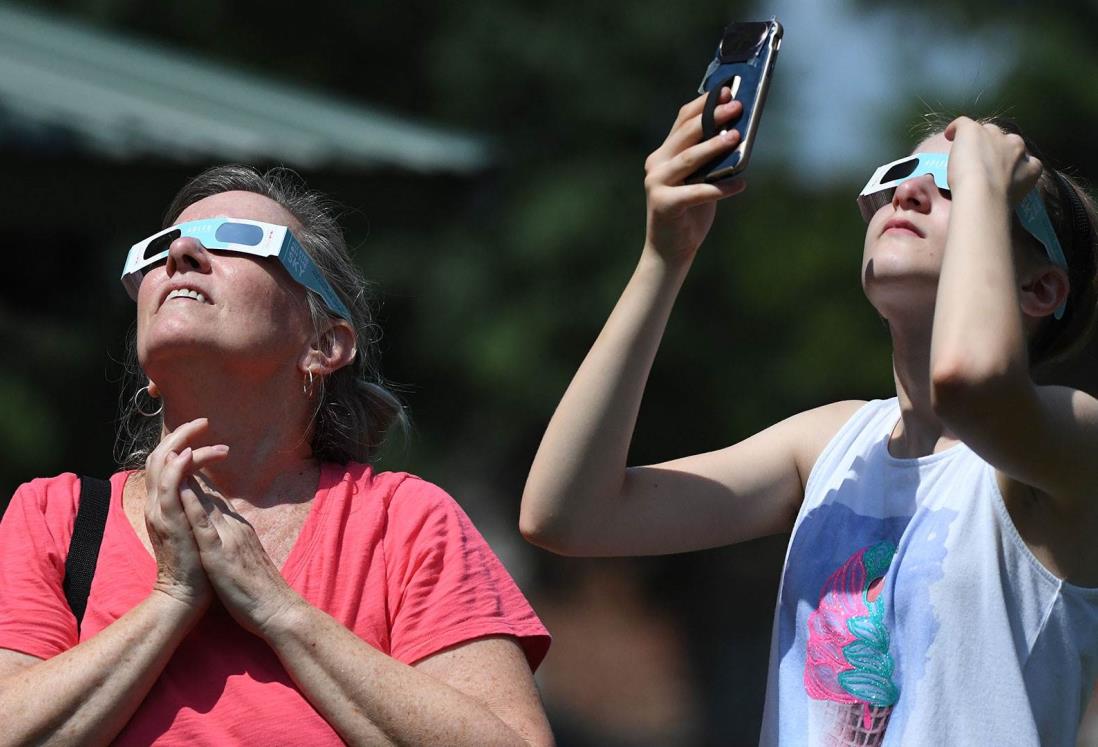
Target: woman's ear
{"points": [[1044, 290], [332, 350]]}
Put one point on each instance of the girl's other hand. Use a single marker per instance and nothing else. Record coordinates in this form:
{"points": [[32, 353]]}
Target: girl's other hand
{"points": [[984, 153]]}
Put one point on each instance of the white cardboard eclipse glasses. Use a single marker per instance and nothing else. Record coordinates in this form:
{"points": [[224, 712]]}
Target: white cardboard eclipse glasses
{"points": [[242, 237], [1031, 211]]}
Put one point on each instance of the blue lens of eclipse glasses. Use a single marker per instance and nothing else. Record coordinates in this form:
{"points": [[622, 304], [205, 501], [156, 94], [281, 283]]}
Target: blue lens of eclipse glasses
{"points": [[239, 236], [1031, 212]]}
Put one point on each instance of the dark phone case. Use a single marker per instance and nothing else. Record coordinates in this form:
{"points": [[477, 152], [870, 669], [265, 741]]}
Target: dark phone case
{"points": [[754, 76]]}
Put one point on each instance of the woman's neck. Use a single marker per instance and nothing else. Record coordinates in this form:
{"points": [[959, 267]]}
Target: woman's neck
{"points": [[265, 421]]}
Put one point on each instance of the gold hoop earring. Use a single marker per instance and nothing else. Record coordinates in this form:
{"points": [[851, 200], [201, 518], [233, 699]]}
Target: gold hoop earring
{"points": [[307, 384]]}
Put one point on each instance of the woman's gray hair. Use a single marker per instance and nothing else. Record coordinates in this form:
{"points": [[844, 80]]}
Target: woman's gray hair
{"points": [[355, 410]]}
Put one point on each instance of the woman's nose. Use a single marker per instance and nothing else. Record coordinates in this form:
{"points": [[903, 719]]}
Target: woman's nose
{"points": [[915, 194], [186, 254]]}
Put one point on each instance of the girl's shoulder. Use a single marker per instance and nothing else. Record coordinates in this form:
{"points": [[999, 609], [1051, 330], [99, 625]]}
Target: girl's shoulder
{"points": [[815, 429]]}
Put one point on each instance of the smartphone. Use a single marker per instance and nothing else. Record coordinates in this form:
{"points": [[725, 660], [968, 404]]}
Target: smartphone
{"points": [[744, 63]]}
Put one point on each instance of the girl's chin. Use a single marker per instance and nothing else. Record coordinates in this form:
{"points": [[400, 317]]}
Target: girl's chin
{"points": [[895, 265], [891, 299], [898, 276]]}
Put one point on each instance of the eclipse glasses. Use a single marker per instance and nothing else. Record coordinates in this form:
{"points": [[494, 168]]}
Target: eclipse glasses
{"points": [[239, 236], [1031, 212]]}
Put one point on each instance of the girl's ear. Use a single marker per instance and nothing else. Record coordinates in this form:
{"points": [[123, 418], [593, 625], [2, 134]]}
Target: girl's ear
{"points": [[1044, 290], [334, 349]]}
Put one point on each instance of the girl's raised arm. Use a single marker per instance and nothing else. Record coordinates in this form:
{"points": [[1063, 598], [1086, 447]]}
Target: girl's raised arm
{"points": [[989, 296], [580, 498]]}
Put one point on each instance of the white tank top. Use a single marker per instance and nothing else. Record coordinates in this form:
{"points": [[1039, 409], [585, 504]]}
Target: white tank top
{"points": [[911, 612]]}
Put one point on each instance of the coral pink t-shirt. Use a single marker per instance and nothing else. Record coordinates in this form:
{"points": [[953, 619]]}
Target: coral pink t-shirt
{"points": [[390, 556]]}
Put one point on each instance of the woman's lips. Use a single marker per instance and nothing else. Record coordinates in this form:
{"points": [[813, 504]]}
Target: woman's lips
{"points": [[185, 292]]}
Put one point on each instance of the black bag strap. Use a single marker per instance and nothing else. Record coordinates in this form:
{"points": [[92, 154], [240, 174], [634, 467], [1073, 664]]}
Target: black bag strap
{"points": [[87, 536]]}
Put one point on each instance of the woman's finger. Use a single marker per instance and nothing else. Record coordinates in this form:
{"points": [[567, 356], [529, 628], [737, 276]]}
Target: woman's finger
{"points": [[174, 441], [199, 517], [205, 455], [171, 479], [179, 438]]}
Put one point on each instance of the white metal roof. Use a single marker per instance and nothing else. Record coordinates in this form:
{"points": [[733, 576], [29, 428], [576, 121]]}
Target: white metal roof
{"points": [[123, 97]]}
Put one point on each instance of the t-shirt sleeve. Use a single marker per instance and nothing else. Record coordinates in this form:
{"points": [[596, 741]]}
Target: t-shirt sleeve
{"points": [[445, 585], [35, 619]]}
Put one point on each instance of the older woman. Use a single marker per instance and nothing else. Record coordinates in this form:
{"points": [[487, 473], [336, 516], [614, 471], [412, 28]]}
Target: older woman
{"points": [[258, 582]]}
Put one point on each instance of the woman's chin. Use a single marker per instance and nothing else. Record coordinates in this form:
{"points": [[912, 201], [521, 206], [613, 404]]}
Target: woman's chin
{"points": [[160, 350]]}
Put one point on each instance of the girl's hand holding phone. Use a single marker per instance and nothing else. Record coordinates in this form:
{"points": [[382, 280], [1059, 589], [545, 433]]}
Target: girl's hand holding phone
{"points": [[680, 214]]}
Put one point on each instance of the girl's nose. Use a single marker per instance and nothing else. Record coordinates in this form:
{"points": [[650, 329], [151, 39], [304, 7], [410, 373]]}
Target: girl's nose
{"points": [[915, 194]]}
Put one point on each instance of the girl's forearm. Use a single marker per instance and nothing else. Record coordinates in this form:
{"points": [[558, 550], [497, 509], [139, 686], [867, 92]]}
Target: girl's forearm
{"points": [[580, 465], [978, 337]]}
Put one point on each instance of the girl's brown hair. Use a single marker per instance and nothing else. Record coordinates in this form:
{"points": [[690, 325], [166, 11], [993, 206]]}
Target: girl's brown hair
{"points": [[1074, 218]]}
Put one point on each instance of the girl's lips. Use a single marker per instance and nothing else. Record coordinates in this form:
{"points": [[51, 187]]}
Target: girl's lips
{"points": [[897, 224]]}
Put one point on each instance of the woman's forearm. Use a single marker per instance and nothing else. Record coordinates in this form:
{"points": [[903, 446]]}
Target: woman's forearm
{"points": [[88, 693], [580, 465], [371, 698]]}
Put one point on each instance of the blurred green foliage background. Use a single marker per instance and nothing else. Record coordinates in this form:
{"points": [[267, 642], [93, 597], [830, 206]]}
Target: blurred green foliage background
{"points": [[493, 286]]}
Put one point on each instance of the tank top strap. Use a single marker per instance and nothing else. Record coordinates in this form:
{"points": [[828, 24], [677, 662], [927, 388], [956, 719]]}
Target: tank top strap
{"points": [[868, 427]]}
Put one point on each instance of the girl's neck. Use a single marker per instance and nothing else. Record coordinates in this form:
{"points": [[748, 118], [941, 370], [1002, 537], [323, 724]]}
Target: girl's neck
{"points": [[919, 431]]}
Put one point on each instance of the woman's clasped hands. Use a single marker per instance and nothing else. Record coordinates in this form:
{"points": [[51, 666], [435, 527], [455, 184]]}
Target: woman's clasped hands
{"points": [[201, 546]]}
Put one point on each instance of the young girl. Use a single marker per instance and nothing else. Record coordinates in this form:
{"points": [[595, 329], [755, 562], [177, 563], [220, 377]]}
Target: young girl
{"points": [[939, 584]]}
